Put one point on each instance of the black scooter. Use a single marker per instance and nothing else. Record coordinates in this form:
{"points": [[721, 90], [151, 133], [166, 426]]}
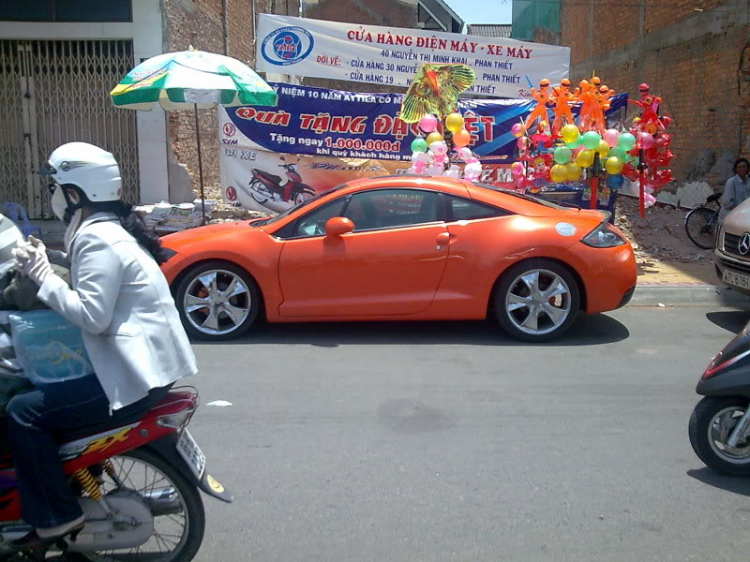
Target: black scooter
{"points": [[719, 427]]}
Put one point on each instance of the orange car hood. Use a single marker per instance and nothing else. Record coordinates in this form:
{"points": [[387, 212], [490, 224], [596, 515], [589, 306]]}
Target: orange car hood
{"points": [[193, 235]]}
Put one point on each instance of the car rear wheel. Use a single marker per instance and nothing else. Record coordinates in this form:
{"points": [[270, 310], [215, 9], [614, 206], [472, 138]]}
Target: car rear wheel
{"points": [[217, 301], [537, 300]]}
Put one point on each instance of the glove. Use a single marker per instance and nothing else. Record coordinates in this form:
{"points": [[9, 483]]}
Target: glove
{"points": [[32, 260]]}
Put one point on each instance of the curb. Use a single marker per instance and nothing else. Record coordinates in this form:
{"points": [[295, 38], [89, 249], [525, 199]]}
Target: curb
{"points": [[689, 295]]}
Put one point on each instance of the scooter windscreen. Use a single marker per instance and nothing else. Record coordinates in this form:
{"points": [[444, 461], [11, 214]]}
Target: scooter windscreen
{"points": [[734, 352]]}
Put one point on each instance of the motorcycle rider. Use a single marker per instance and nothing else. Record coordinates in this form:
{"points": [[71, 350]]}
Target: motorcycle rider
{"points": [[130, 326]]}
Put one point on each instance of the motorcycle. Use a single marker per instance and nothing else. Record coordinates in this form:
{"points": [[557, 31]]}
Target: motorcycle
{"points": [[719, 426], [137, 484], [266, 186]]}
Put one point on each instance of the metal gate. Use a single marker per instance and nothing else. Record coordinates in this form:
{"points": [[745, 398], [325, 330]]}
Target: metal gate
{"points": [[53, 92]]}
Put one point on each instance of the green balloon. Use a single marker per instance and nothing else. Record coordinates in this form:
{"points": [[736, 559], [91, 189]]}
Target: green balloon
{"points": [[591, 140], [419, 145], [563, 155], [575, 144], [618, 153], [626, 142]]}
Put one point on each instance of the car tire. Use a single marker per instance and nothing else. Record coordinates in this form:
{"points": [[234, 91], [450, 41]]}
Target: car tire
{"points": [[554, 302], [232, 314]]}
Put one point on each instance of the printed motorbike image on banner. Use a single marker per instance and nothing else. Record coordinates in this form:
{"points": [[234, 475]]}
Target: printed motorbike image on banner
{"points": [[270, 182]]}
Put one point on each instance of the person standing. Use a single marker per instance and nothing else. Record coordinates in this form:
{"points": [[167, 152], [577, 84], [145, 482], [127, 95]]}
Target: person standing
{"points": [[736, 190]]}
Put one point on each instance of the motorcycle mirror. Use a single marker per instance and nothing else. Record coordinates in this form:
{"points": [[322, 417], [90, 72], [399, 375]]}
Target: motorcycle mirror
{"points": [[338, 226]]}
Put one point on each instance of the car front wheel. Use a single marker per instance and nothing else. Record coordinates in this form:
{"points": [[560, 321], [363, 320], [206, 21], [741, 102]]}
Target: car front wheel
{"points": [[537, 300], [217, 301]]}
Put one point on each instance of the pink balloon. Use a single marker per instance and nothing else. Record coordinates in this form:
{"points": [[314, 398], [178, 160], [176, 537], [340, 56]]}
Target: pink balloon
{"points": [[519, 181], [611, 136], [428, 123], [521, 143], [516, 169], [516, 130], [645, 140]]}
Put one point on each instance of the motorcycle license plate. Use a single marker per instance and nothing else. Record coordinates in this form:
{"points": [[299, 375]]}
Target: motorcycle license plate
{"points": [[736, 279], [191, 452]]}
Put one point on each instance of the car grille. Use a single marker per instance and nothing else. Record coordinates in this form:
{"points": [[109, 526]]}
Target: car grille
{"points": [[734, 266], [731, 244]]}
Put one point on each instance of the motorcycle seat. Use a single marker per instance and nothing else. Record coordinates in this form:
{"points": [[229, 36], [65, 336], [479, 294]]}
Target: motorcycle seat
{"points": [[270, 177], [714, 197]]}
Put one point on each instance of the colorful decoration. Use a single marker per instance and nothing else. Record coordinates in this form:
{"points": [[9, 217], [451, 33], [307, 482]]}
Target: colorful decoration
{"points": [[542, 97], [435, 89]]}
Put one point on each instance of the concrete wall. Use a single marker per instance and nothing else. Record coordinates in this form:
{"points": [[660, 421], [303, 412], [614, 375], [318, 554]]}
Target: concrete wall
{"points": [[690, 57]]}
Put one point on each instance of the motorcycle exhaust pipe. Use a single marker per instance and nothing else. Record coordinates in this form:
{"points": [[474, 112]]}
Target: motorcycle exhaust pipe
{"points": [[165, 501]]}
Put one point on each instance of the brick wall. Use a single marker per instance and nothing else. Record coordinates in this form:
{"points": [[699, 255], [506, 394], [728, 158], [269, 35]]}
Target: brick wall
{"points": [[689, 58], [201, 23]]}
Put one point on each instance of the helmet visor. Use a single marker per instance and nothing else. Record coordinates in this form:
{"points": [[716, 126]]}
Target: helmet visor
{"points": [[47, 170]]}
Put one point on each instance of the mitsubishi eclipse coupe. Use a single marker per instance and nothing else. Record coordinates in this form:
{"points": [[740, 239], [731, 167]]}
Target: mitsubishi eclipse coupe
{"points": [[403, 248]]}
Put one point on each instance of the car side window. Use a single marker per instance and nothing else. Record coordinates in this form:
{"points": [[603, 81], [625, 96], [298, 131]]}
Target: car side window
{"points": [[314, 223], [391, 208], [461, 209]]}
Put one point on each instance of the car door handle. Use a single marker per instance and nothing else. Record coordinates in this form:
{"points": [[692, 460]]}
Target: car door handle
{"points": [[442, 239]]}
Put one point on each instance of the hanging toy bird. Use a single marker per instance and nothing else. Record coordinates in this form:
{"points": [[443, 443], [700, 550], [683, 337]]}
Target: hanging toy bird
{"points": [[435, 89]]}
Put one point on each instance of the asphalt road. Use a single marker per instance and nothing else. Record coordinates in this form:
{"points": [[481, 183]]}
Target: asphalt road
{"points": [[437, 442]]}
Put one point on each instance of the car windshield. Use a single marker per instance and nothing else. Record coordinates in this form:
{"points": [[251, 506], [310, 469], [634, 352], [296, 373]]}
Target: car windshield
{"points": [[290, 210], [526, 197]]}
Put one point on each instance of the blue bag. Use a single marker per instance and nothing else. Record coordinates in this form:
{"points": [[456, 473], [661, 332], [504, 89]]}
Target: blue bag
{"points": [[48, 347]]}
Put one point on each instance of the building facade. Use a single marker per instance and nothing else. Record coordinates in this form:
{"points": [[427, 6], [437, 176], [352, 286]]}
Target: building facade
{"points": [[58, 63], [694, 54]]}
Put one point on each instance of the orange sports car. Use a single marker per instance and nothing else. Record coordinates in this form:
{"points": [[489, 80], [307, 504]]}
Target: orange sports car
{"points": [[403, 248]]}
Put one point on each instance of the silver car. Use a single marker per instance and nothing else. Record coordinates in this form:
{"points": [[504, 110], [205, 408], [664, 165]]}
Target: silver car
{"points": [[732, 255]]}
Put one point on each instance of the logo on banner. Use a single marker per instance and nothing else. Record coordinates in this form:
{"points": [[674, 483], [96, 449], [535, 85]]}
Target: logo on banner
{"points": [[287, 45], [229, 129]]}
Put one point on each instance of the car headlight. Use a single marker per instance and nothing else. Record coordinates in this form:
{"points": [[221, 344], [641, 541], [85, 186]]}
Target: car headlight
{"points": [[603, 236]]}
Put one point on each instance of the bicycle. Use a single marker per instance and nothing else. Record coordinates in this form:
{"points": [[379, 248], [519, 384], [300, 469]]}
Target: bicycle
{"points": [[701, 223]]}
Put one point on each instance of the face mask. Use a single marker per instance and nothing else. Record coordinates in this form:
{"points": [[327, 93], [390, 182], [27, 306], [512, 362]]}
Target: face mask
{"points": [[59, 204]]}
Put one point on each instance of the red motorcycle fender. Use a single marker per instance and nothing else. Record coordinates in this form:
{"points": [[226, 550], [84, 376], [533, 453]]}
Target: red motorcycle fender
{"points": [[166, 447]]}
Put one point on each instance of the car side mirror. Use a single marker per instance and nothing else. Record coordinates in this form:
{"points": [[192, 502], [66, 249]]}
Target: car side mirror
{"points": [[338, 226]]}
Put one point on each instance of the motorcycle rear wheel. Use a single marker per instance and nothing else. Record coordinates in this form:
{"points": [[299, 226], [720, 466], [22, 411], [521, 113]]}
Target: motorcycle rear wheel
{"points": [[710, 426], [143, 471]]}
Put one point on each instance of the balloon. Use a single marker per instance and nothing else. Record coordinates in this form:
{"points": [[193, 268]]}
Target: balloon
{"points": [[611, 136], [585, 158], [559, 173], [454, 122], [563, 155], [651, 128], [649, 200], [591, 140], [462, 137], [618, 153], [645, 140], [516, 169], [433, 137], [626, 142], [428, 123], [575, 144], [602, 149], [519, 181], [464, 153], [614, 165], [573, 171], [569, 134], [615, 181], [418, 145], [522, 143], [517, 130]]}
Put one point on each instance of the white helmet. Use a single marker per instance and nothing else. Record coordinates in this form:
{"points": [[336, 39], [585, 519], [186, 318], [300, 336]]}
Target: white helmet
{"points": [[93, 170]]}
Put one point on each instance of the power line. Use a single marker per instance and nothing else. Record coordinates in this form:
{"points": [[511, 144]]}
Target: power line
{"points": [[615, 4]]}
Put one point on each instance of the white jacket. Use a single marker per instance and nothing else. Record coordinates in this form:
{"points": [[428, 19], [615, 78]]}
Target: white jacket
{"points": [[122, 303]]}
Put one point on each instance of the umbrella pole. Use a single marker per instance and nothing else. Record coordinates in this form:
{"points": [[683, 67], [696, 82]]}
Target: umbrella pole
{"points": [[200, 166]]}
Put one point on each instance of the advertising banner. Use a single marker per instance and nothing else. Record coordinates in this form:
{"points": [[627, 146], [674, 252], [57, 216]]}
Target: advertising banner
{"points": [[390, 56], [272, 182], [339, 124]]}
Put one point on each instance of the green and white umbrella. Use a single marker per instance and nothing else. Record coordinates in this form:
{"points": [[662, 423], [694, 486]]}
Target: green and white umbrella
{"points": [[192, 80]]}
